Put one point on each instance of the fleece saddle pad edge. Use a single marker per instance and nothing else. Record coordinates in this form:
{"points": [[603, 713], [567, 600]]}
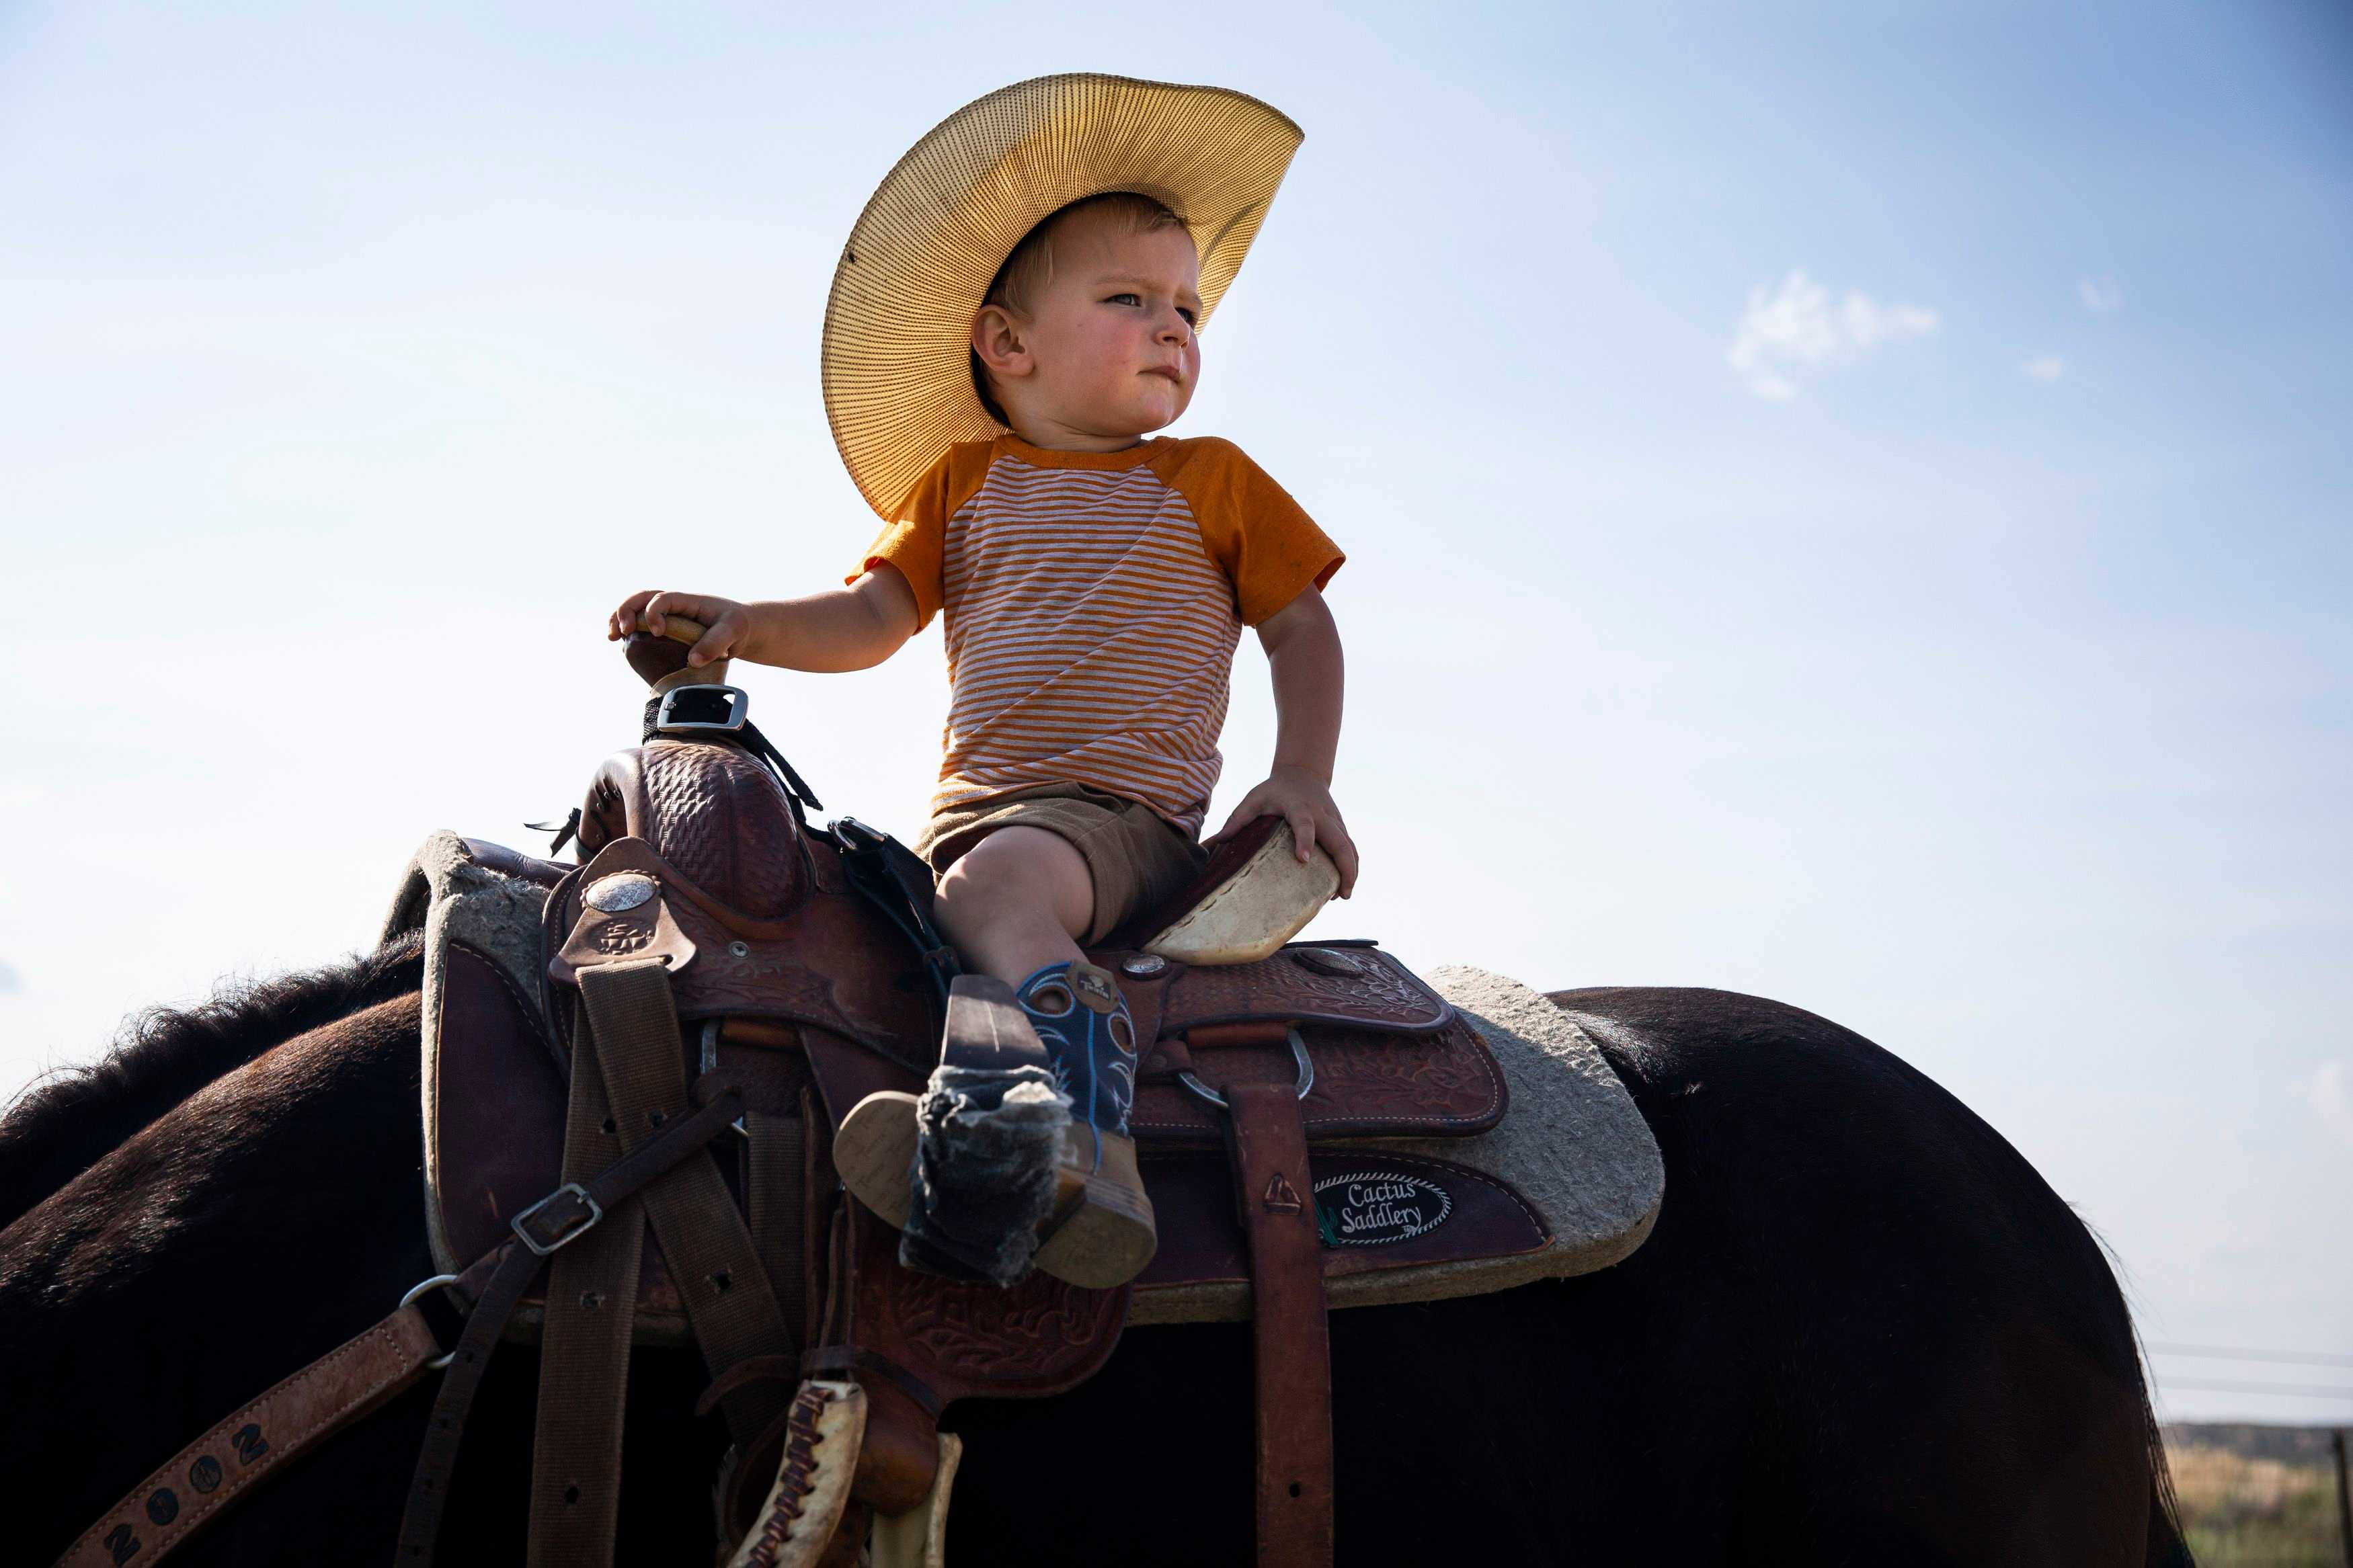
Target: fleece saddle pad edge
{"points": [[458, 903]]}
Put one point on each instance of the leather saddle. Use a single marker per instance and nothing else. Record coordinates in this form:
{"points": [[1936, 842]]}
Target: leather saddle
{"points": [[803, 976]]}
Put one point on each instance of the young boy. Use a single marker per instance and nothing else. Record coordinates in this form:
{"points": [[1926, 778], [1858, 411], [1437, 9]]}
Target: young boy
{"points": [[1094, 585]]}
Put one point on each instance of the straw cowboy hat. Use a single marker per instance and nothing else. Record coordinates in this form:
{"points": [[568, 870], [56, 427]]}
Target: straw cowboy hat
{"points": [[898, 326]]}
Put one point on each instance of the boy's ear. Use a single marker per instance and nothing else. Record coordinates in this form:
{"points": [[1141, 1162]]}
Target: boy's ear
{"points": [[997, 338]]}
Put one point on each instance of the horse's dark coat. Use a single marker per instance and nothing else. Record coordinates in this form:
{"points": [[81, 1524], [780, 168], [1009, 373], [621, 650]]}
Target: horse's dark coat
{"points": [[65, 1122], [1863, 1332]]}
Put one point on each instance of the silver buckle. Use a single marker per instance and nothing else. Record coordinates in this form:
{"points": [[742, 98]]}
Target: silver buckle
{"points": [[702, 710], [1298, 1054], [422, 1285], [577, 1230]]}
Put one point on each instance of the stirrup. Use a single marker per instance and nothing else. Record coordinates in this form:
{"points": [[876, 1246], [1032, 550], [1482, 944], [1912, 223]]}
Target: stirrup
{"points": [[825, 1429]]}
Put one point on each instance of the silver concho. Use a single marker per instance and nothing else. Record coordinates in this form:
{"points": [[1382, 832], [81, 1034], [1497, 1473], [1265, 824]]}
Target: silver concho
{"points": [[621, 890], [1143, 965]]}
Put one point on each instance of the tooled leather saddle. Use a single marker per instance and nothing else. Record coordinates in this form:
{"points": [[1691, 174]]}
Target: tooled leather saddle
{"points": [[714, 950]]}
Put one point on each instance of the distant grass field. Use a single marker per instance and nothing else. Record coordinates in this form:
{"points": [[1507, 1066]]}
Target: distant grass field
{"points": [[2257, 1496]]}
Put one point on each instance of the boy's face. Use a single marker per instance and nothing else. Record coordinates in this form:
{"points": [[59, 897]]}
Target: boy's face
{"points": [[1110, 351]]}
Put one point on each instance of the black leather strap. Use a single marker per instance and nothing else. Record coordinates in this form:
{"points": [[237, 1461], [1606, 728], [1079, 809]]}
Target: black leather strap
{"points": [[896, 880]]}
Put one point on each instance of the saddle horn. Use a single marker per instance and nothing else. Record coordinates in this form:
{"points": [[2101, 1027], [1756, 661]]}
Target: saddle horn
{"points": [[660, 658]]}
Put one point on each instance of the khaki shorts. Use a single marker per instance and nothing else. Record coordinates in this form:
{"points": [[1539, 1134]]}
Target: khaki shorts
{"points": [[1135, 856]]}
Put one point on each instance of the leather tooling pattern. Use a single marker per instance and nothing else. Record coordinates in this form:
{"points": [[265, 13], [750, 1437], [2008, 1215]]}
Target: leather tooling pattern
{"points": [[1429, 1078], [1367, 1084], [1040, 1329], [694, 793], [1378, 992]]}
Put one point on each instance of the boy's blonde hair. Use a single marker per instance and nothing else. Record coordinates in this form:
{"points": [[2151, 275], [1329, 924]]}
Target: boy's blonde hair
{"points": [[1030, 267]]}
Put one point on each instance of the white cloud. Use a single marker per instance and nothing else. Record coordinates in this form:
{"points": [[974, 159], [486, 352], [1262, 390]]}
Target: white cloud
{"points": [[2332, 1100], [9, 983], [2100, 295], [1797, 325], [2044, 367]]}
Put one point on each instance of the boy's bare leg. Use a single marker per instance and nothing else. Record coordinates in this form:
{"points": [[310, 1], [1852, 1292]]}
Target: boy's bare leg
{"points": [[1015, 902], [1014, 905], [969, 1170]]}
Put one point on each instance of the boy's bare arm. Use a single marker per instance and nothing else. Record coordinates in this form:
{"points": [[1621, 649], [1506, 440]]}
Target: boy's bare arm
{"points": [[855, 627], [1302, 652]]}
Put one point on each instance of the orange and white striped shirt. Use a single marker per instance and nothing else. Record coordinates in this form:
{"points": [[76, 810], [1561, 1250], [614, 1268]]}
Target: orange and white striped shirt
{"points": [[1093, 601]]}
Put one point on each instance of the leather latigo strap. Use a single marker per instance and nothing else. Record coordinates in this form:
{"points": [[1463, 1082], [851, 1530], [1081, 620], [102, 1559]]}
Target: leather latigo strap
{"points": [[576, 1471], [1257, 1086], [727, 1294], [248, 1446], [776, 1173], [1289, 1327], [631, 1043], [496, 1284]]}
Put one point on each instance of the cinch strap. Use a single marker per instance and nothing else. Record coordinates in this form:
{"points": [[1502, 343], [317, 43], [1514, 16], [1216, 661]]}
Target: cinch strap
{"points": [[246, 1447]]}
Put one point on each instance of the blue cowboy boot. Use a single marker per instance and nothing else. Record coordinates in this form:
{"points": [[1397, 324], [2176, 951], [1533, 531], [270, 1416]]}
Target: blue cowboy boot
{"points": [[969, 1171], [1102, 1231]]}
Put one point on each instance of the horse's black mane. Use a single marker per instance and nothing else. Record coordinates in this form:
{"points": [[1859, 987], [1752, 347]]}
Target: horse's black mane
{"points": [[68, 1120]]}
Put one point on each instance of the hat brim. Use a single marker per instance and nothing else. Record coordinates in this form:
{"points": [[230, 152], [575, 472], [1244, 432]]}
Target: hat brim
{"points": [[898, 325]]}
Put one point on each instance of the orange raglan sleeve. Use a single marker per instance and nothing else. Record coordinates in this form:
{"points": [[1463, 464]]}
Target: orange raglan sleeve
{"points": [[1271, 549], [916, 542]]}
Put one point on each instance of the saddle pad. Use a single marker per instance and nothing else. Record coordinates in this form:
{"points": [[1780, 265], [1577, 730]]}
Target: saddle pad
{"points": [[1574, 1149], [478, 906]]}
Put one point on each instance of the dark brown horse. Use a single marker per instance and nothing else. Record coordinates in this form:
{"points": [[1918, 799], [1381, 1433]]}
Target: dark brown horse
{"points": [[1863, 1332]]}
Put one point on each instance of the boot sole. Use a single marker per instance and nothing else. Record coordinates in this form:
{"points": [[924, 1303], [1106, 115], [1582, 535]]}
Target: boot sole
{"points": [[874, 1150], [1102, 1234], [1107, 1236]]}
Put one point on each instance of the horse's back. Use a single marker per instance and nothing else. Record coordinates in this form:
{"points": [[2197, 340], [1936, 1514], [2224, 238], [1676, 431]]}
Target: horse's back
{"points": [[1900, 1294]]}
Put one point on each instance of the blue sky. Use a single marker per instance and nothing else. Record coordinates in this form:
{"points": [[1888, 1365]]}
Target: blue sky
{"points": [[1847, 503]]}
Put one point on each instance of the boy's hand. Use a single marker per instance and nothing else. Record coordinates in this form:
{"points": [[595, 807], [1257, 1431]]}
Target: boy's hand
{"points": [[1306, 800], [648, 609]]}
